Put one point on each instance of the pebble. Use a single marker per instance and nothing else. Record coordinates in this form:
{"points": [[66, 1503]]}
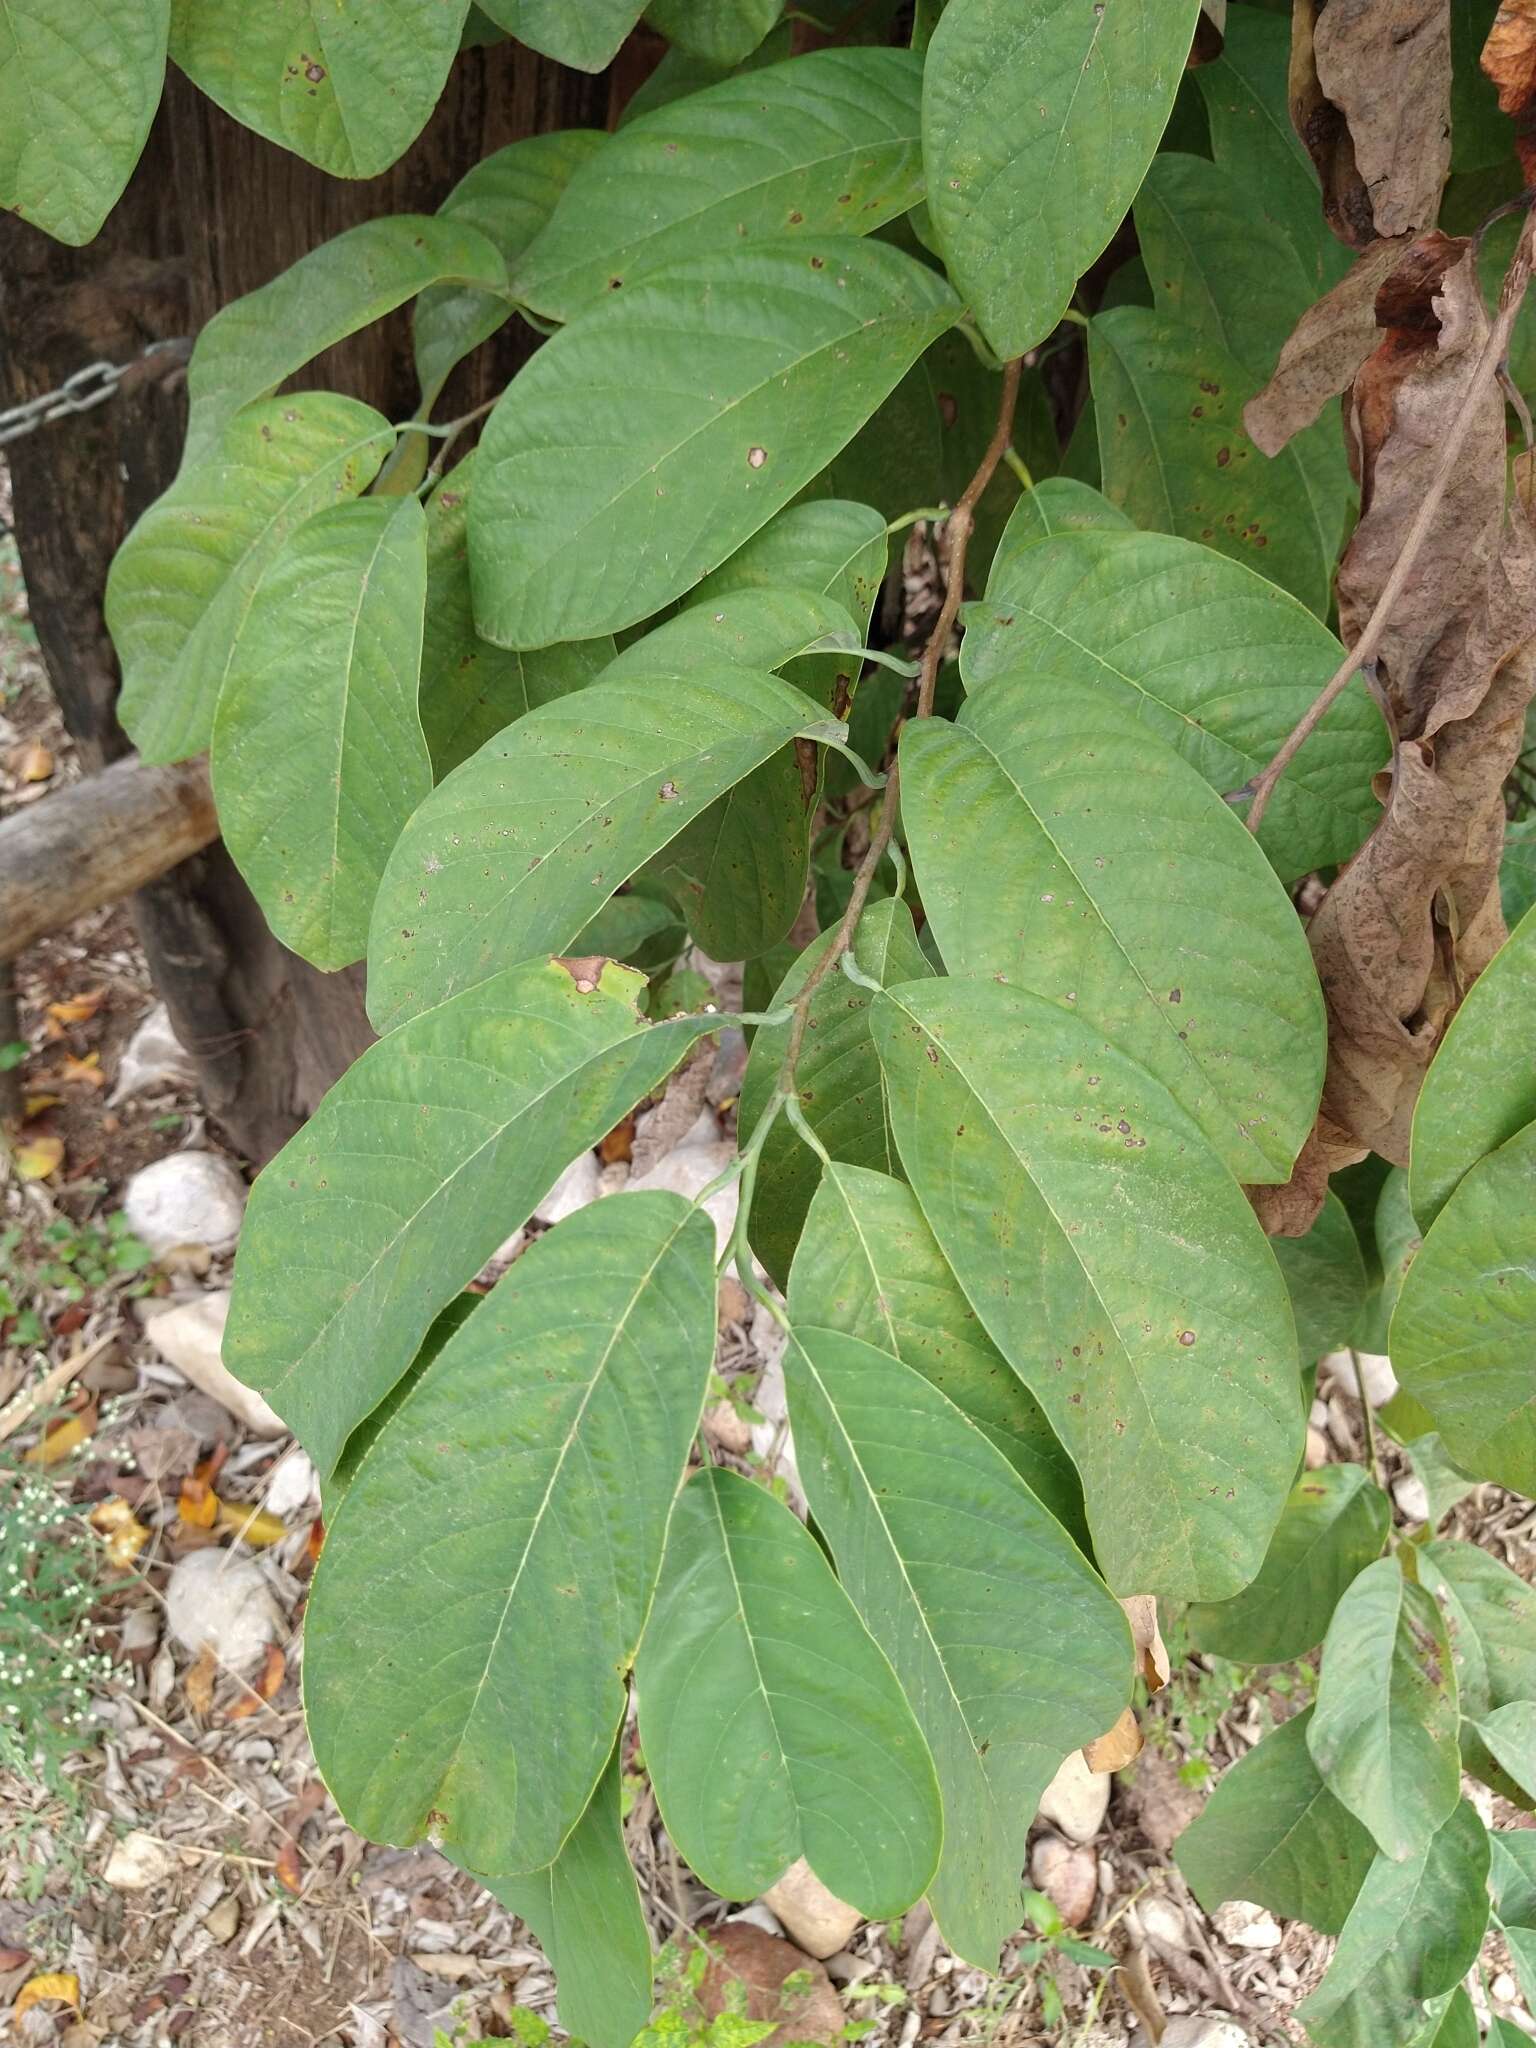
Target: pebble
{"points": [[687, 1172], [1077, 1799], [190, 1336], [810, 1914], [216, 1598], [1068, 1874], [1245, 1925], [138, 1863], [579, 1185], [187, 1198]]}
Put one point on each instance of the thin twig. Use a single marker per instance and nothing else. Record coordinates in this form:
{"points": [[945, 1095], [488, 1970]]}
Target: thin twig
{"points": [[1484, 376], [1372, 1462], [958, 530], [25, 1405]]}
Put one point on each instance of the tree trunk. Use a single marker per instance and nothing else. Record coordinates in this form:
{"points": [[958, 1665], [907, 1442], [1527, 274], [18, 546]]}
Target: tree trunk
{"points": [[212, 212]]}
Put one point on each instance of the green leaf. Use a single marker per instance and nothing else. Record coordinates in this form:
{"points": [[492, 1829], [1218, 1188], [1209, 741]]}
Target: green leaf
{"points": [[1383, 1732], [1116, 1266], [1398, 1243], [1491, 1615], [318, 752], [253, 344], [1481, 1085], [1218, 663], [1005, 1641], [585, 1910], [1238, 279], [739, 869], [586, 37], [1444, 1483], [474, 1685], [1512, 1875], [1260, 155], [79, 84], [1204, 977], [507, 197], [180, 585], [346, 84], [1517, 870], [1325, 1274], [756, 366], [1169, 403], [1510, 1733], [1413, 1933], [1334, 1524], [470, 689], [1273, 1832], [366, 1434], [603, 781], [867, 1264], [825, 145], [826, 544], [838, 1079], [772, 1726], [418, 1164], [1458, 2026], [1056, 504], [719, 31], [1463, 1328], [1039, 120]]}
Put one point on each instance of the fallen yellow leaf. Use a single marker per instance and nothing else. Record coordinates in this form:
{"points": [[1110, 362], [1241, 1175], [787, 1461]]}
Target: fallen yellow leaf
{"points": [[251, 1525], [77, 1009], [86, 1070], [197, 1504], [125, 1534], [33, 763], [58, 1442], [34, 1105], [39, 1157], [63, 1985]]}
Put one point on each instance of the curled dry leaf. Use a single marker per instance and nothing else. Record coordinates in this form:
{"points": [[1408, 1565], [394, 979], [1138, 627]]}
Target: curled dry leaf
{"points": [[199, 1681], [39, 1157], [1117, 1746], [1371, 100], [1147, 1639], [61, 1439], [62, 1985], [1509, 59], [1415, 917], [125, 1535], [1324, 354]]}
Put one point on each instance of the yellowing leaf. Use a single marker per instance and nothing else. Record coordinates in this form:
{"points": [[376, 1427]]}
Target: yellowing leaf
{"points": [[197, 1504], [125, 1534], [34, 1105], [77, 1009], [63, 1985], [39, 1157], [86, 1070], [251, 1525], [1116, 1747], [58, 1442], [34, 763]]}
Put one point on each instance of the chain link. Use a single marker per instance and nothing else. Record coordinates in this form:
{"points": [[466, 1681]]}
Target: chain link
{"points": [[90, 386]]}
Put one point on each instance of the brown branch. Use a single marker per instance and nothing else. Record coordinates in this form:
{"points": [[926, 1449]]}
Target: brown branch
{"points": [[958, 530], [1485, 375]]}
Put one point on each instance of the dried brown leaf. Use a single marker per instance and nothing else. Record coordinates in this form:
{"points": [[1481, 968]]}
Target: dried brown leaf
{"points": [[1323, 356], [1147, 1639], [1117, 1746], [1371, 100], [741, 1954], [1415, 917], [1509, 59]]}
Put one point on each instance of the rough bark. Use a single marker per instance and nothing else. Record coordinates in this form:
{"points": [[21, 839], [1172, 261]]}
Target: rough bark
{"points": [[212, 212]]}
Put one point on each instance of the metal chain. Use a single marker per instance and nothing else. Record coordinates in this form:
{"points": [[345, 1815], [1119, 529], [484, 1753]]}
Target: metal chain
{"points": [[88, 387]]}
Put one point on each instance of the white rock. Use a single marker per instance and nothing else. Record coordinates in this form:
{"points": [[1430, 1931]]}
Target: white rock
{"points": [[1068, 1874], [190, 1336], [138, 1862], [810, 1915], [187, 1198], [294, 1483], [1076, 1799], [218, 1599], [757, 1915], [1204, 2030], [1412, 1496], [1245, 1925], [1163, 1924], [579, 1185], [1380, 1381], [154, 1057], [687, 1172]]}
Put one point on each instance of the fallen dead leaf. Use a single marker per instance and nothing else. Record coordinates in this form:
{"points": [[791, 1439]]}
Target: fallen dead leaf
{"points": [[263, 1688], [199, 1682], [1116, 1747], [250, 1525], [61, 1439], [197, 1504], [38, 1158], [62, 1985], [1370, 90], [1323, 356], [85, 1072], [32, 762], [77, 1009], [34, 1105], [289, 1872], [125, 1534], [744, 1955]]}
